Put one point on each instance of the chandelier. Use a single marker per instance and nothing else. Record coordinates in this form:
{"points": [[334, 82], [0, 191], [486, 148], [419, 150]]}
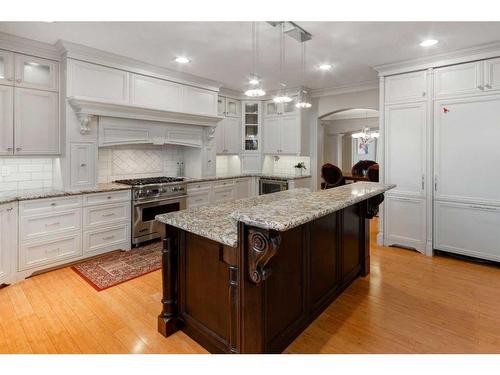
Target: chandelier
{"points": [[366, 136]]}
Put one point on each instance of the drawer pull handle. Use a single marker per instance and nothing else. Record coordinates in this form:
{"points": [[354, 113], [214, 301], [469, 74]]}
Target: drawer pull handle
{"points": [[10, 209], [53, 224], [483, 208], [53, 204], [83, 165], [110, 197], [108, 238], [52, 251], [108, 215]]}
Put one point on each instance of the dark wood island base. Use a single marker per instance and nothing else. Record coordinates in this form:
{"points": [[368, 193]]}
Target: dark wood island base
{"points": [[258, 297]]}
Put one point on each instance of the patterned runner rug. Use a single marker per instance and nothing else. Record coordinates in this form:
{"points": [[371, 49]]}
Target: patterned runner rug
{"points": [[113, 269]]}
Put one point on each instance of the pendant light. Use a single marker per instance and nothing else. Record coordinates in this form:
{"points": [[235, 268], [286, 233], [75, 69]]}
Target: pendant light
{"points": [[281, 97], [302, 100], [255, 90]]}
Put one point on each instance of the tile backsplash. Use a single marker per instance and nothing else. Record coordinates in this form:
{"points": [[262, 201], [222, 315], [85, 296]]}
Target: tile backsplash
{"points": [[27, 173], [285, 164], [135, 161], [227, 164]]}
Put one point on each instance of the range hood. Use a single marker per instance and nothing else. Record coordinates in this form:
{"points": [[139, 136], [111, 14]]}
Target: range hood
{"points": [[86, 109]]}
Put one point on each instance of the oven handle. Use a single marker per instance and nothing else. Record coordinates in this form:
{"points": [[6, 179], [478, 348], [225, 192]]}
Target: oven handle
{"points": [[137, 203]]}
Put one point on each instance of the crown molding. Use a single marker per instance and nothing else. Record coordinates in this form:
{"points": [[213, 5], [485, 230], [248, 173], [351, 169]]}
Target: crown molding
{"points": [[96, 56], [345, 89], [29, 47], [481, 52]]}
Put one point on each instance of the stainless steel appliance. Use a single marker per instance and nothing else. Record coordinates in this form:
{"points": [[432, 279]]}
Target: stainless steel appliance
{"points": [[268, 185], [150, 197]]}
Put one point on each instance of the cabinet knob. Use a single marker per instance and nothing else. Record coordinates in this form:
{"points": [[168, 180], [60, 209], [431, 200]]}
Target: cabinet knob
{"points": [[9, 149], [18, 148], [83, 165], [488, 86], [423, 93], [10, 209], [480, 87], [18, 80], [10, 79]]}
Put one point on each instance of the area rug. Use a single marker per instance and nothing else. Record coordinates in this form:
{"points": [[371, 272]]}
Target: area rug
{"points": [[113, 269]]}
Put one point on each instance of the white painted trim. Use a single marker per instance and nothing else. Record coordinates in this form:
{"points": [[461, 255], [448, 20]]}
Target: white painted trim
{"points": [[83, 108], [28, 47], [96, 56], [480, 52], [344, 89]]}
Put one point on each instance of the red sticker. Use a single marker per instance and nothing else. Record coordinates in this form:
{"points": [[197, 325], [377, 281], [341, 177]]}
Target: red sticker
{"points": [[446, 110]]}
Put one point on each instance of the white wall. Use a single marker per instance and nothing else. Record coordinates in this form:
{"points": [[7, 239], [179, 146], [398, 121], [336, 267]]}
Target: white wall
{"points": [[361, 99], [27, 173]]}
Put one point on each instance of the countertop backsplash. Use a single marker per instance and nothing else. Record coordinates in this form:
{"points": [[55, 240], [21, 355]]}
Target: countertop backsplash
{"points": [[135, 161], [17, 173], [284, 165]]}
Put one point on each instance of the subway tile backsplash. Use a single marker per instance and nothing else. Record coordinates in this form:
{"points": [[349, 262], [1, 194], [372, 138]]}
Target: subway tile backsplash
{"points": [[285, 164], [26, 173], [135, 161]]}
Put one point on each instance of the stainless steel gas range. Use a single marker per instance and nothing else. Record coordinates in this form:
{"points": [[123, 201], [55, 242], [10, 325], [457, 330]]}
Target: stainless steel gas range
{"points": [[150, 197]]}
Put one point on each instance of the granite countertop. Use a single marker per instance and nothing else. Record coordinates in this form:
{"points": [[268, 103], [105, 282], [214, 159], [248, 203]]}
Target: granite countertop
{"points": [[279, 211], [275, 176], [28, 194]]}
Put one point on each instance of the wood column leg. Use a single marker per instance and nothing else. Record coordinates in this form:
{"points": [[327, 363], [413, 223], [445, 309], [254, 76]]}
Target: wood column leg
{"points": [[168, 319], [365, 266], [233, 309]]}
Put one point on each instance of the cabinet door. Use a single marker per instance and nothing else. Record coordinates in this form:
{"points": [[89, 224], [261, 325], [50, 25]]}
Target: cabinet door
{"points": [[270, 108], [199, 101], [272, 135], [219, 137], [6, 120], [233, 108], [6, 68], [456, 80], [155, 93], [242, 188], [406, 87], [114, 131], [8, 242], [232, 135], [467, 229], [405, 148], [33, 72], [82, 164], [466, 153], [290, 135], [289, 108], [221, 106], [492, 75], [96, 82], [404, 222], [36, 122]]}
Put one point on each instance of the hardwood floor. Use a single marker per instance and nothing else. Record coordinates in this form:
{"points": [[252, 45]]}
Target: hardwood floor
{"points": [[410, 303]]}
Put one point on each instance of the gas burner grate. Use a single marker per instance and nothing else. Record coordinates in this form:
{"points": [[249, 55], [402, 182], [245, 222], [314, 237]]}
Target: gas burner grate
{"points": [[150, 180]]}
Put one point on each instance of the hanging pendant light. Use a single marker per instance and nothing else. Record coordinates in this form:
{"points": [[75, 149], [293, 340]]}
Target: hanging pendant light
{"points": [[302, 100], [281, 96], [255, 90]]}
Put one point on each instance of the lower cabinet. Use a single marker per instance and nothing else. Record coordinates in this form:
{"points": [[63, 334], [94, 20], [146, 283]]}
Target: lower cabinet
{"points": [[83, 164], [467, 229], [242, 188], [219, 191], [8, 241], [107, 239], [404, 222]]}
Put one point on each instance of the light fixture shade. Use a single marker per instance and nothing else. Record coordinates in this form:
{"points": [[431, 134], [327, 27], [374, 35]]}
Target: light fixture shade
{"points": [[282, 99], [302, 100], [255, 92], [303, 105]]}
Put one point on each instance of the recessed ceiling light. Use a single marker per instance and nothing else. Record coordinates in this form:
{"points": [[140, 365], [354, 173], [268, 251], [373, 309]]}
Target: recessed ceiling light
{"points": [[325, 66], [182, 60], [429, 42]]}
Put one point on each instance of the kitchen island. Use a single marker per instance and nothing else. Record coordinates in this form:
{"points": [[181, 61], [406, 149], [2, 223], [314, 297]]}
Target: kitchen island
{"points": [[248, 276]]}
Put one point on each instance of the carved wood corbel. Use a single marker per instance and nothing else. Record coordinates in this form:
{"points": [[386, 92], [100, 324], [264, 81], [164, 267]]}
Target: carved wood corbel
{"points": [[371, 207], [85, 120], [211, 133], [262, 246]]}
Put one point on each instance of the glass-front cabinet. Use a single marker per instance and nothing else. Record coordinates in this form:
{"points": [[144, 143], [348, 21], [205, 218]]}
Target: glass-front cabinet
{"points": [[277, 109], [33, 72], [251, 126], [6, 68], [228, 107]]}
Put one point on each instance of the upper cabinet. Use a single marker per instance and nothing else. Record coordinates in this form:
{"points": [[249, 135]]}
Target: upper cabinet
{"points": [[6, 120], [35, 73], [409, 87], [6, 67], [228, 136], [283, 135], [91, 81], [155, 93], [457, 80], [251, 126], [199, 101], [492, 74], [228, 107], [272, 109]]}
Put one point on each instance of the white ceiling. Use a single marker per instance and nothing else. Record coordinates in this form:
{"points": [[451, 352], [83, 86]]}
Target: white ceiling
{"points": [[221, 51]]}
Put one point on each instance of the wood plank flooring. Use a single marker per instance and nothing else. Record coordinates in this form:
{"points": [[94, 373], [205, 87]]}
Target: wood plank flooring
{"points": [[410, 303]]}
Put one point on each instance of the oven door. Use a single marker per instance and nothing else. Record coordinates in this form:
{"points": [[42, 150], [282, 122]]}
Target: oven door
{"points": [[144, 225], [271, 186]]}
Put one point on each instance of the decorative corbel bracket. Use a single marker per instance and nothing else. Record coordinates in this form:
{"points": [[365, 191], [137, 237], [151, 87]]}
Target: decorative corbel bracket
{"points": [[85, 120], [371, 207], [262, 246], [211, 133]]}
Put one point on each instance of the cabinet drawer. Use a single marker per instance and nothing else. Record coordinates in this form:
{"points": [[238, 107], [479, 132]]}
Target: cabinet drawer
{"points": [[224, 194], [223, 183], [199, 199], [39, 206], [198, 187], [406, 87], [50, 251], [106, 239], [107, 197], [36, 226], [106, 214]]}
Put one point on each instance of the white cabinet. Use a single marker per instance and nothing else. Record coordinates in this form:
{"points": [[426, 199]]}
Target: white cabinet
{"points": [[36, 122], [224, 191], [8, 240], [282, 135], [82, 164], [114, 131], [272, 109], [405, 148], [228, 107], [199, 101], [405, 222], [184, 135], [407, 87], [468, 229], [6, 67], [456, 80], [36, 73], [101, 240], [228, 136], [155, 93], [6, 120], [242, 188], [97, 82], [492, 75]]}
